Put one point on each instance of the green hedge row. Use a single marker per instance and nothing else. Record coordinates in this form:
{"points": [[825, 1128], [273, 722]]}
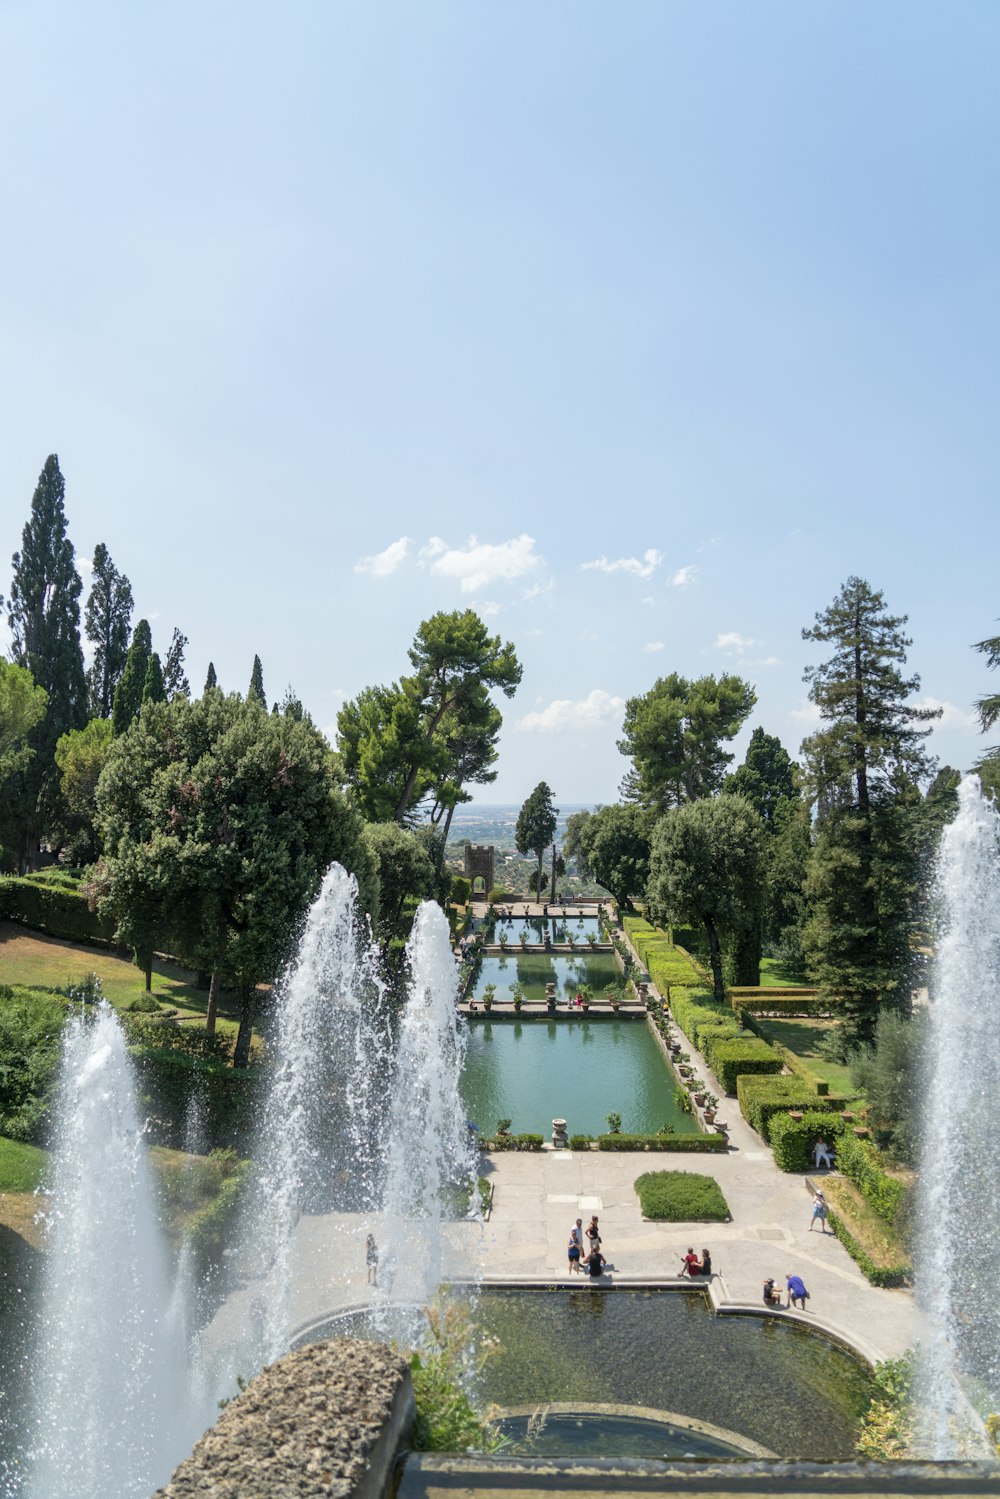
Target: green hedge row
{"points": [[740, 1057], [760, 1098], [860, 1162], [694, 1008], [671, 1143], [879, 1275], [55, 909], [792, 1140], [777, 1004], [514, 1142]]}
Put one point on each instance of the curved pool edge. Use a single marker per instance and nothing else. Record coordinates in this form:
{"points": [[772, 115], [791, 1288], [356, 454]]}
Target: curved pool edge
{"points": [[643, 1413]]}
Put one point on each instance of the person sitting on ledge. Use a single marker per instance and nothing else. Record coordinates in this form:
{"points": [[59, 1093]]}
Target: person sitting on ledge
{"points": [[595, 1263], [705, 1268], [690, 1263], [772, 1296], [822, 1156]]}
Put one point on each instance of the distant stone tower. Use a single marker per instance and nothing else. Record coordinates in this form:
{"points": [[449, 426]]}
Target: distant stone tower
{"points": [[479, 868]]}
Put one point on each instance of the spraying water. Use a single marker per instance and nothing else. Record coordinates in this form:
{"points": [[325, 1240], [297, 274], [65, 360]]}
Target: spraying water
{"points": [[959, 1248], [429, 1153], [317, 1147], [111, 1409]]}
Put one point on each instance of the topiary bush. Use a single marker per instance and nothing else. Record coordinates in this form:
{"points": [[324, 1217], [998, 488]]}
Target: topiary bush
{"points": [[792, 1140], [740, 1057], [57, 909], [461, 888], [760, 1098], [667, 1143], [515, 1142], [681, 1197]]}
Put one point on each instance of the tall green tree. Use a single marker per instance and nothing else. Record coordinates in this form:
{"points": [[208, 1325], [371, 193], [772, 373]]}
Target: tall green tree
{"points": [[128, 693], [153, 690], [768, 778], [174, 679], [256, 688], [674, 735], [211, 680], [536, 827], [44, 617], [404, 868], [617, 850], [375, 735], [107, 622], [22, 709], [864, 767], [219, 821], [988, 706], [706, 869], [81, 755], [470, 743]]}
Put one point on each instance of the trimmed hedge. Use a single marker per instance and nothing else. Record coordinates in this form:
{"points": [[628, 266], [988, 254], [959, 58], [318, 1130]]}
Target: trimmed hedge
{"points": [[792, 1140], [775, 1003], [681, 1197], [761, 1098], [879, 1275], [860, 1162], [671, 1143], [692, 1008], [741, 1056], [710, 1035], [514, 1142], [53, 908]]}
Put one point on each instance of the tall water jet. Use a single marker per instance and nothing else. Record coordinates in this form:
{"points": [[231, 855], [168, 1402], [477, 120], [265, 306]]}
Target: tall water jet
{"points": [[110, 1407], [317, 1148], [958, 1264], [429, 1151]]}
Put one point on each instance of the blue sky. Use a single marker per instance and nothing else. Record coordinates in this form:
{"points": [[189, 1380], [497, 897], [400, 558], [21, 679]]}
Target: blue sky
{"points": [[637, 327]]}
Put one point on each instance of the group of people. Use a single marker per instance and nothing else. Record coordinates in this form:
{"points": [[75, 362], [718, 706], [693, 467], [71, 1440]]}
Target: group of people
{"points": [[585, 1257], [795, 1291], [691, 1265]]}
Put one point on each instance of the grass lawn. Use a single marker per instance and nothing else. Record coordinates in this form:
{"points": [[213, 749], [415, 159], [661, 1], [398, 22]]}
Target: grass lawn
{"points": [[802, 1037], [21, 1166], [32, 959], [775, 975], [874, 1235], [681, 1197]]}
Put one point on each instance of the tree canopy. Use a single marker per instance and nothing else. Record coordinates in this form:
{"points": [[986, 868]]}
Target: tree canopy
{"points": [[128, 693], [108, 625], [674, 735], [536, 827], [614, 845]]}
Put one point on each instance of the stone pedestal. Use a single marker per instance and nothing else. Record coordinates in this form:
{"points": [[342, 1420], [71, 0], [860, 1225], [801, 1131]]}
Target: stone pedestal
{"points": [[559, 1138]]}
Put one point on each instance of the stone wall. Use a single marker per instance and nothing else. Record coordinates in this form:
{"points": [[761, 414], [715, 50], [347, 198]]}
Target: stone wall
{"points": [[325, 1420]]}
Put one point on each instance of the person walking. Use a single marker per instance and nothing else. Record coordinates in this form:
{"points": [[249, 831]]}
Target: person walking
{"points": [[819, 1211]]}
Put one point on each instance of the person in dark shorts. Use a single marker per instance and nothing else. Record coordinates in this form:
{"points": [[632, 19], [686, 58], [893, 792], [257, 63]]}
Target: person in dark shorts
{"points": [[575, 1248], [796, 1290], [772, 1296], [595, 1263]]}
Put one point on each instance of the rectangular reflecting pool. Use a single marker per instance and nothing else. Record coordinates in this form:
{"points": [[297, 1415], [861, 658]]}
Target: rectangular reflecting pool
{"points": [[533, 970], [559, 928], [534, 1071]]}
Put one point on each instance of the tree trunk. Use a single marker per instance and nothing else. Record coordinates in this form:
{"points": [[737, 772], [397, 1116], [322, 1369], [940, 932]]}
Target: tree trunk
{"points": [[553, 894], [241, 1055], [716, 960], [215, 984], [538, 881], [444, 840], [148, 967]]}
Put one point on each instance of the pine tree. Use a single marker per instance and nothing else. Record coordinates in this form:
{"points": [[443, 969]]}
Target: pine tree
{"points": [[108, 625], [44, 615], [536, 827], [256, 688], [152, 688], [174, 679], [211, 680], [864, 768], [128, 694]]}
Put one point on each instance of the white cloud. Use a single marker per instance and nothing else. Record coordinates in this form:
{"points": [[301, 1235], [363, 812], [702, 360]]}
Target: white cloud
{"points": [[808, 713], [639, 568], [648, 600], [538, 589], [84, 566], [488, 609], [597, 708], [732, 640], [383, 563], [683, 576], [654, 645], [480, 563], [951, 716], [765, 661]]}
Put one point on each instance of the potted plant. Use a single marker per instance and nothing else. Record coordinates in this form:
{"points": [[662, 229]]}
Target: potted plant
{"points": [[522, 936], [518, 997], [614, 1124], [700, 1093], [488, 994], [711, 1104], [503, 1126], [592, 938], [503, 941]]}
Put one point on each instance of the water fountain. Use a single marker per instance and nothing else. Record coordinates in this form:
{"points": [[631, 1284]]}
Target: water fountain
{"points": [[958, 1248], [111, 1400]]}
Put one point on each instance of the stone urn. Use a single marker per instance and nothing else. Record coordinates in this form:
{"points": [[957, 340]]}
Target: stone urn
{"points": [[560, 1140]]}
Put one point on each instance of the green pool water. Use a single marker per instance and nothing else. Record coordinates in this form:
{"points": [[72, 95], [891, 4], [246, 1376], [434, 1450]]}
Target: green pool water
{"points": [[559, 928], [534, 1071], [534, 970]]}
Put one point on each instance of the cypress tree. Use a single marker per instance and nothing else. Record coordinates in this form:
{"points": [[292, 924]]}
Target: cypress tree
{"points": [[44, 615], [108, 624], [256, 688], [174, 679], [152, 688], [864, 768], [128, 694], [211, 680]]}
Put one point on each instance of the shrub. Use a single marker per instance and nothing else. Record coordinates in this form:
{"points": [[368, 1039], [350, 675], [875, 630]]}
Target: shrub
{"points": [[860, 1162], [777, 1003], [579, 1142], [888, 1075], [709, 1035], [693, 1007], [762, 1097], [743, 1055], [209, 1227], [496, 895], [30, 1034], [792, 1140], [681, 1197], [514, 1142], [57, 909], [879, 1275], [461, 888], [667, 1143]]}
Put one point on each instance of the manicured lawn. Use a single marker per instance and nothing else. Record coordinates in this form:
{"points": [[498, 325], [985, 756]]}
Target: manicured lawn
{"points": [[681, 1197], [34, 960], [774, 975], [21, 1166], [801, 1037]]}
